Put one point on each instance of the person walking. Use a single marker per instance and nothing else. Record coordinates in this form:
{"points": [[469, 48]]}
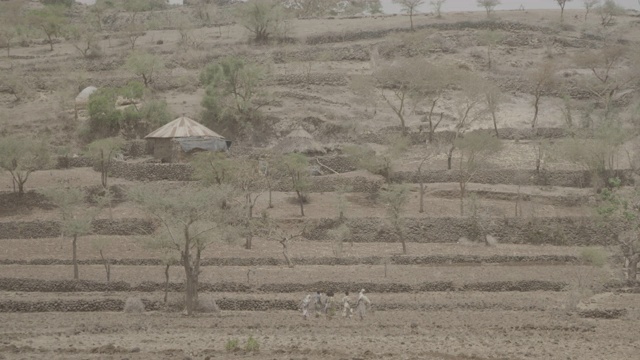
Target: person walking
{"points": [[346, 306], [317, 302], [304, 306], [362, 304], [329, 309]]}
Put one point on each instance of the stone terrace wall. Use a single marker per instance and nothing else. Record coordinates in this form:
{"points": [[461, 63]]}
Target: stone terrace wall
{"points": [[151, 171], [563, 178], [554, 231], [49, 229]]}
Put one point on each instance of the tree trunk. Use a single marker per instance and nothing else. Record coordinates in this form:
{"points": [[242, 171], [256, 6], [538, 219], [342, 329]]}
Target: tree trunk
{"points": [[402, 240], [450, 157], [301, 201], [495, 123], [248, 240], [411, 19], [285, 252], [489, 56], [74, 260], [421, 196], [50, 42], [536, 108], [632, 270], [166, 282], [462, 193], [107, 266]]}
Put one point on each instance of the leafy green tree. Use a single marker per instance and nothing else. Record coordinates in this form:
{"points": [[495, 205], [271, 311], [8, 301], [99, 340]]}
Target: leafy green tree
{"points": [[75, 217], [474, 148], [436, 5], [232, 87], [263, 18], [11, 21], [212, 168], [104, 117], [104, 151], [144, 65], [622, 206], [296, 168], [193, 219], [543, 79], [84, 38], [395, 198], [608, 12], [51, 20], [21, 157], [588, 6], [382, 163]]}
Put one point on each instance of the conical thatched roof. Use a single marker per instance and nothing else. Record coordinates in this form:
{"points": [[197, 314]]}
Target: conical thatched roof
{"points": [[183, 127], [299, 141]]}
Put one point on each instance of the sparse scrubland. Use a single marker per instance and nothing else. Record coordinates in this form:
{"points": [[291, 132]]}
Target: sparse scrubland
{"points": [[477, 173]]}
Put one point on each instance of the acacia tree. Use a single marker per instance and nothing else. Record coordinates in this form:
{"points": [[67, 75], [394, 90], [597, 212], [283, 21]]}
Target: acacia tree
{"points": [[409, 7], [436, 5], [608, 12], [588, 6], [493, 98], [543, 80], [104, 151], [75, 217], [471, 96], [562, 4], [474, 148], [490, 38], [10, 22], [622, 206], [232, 91], [404, 83], [296, 168], [395, 198], [263, 18], [144, 65], [488, 5], [21, 157], [84, 38], [50, 20], [603, 64], [193, 220]]}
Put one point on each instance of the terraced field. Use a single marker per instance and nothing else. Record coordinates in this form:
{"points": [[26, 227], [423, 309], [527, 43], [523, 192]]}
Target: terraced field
{"points": [[532, 292]]}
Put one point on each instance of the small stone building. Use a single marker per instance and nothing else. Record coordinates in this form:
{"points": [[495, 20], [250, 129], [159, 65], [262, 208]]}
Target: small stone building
{"points": [[175, 141]]}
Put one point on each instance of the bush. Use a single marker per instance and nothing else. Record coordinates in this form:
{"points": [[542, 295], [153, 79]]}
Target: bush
{"points": [[133, 305], [252, 345], [232, 345], [66, 3], [594, 256]]}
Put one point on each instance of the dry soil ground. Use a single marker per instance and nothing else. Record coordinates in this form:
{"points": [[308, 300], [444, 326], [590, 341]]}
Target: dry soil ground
{"points": [[457, 324]]}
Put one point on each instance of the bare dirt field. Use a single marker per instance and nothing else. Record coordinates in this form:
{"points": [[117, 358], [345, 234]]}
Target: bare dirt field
{"points": [[467, 300]]}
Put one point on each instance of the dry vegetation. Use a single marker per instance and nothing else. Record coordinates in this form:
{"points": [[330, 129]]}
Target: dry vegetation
{"points": [[480, 119]]}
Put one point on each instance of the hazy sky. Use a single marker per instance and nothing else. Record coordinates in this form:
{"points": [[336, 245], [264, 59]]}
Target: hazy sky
{"points": [[471, 5]]}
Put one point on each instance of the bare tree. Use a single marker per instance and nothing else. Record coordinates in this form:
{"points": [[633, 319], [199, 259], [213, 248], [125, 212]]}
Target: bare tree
{"points": [[474, 148], [101, 244], [562, 4], [50, 20], [490, 38], [488, 5], [11, 22], [436, 5], [405, 83], [588, 6], [263, 18], [493, 99], [193, 220], [543, 80], [471, 96], [430, 151], [410, 7], [395, 198]]}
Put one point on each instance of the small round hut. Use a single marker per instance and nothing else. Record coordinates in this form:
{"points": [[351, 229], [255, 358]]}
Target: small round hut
{"points": [[183, 136], [299, 141]]}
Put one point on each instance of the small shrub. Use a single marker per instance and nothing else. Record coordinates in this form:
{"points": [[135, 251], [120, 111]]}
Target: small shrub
{"points": [[133, 305], [594, 256], [252, 345], [232, 345]]}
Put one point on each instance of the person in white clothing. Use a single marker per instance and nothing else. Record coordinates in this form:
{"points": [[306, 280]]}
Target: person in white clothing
{"points": [[304, 306], [362, 304], [346, 306]]}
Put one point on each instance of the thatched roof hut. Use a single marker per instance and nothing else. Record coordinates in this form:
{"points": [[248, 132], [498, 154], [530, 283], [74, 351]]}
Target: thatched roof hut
{"points": [[183, 136]]}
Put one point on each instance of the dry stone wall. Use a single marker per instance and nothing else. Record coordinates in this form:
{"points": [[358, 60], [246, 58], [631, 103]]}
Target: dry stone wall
{"points": [[49, 229], [553, 231]]}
